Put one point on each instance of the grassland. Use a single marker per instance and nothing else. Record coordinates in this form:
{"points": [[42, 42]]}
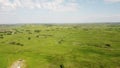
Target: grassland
{"points": [[61, 46]]}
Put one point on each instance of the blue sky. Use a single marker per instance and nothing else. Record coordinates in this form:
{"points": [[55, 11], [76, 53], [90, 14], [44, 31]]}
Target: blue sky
{"points": [[59, 11]]}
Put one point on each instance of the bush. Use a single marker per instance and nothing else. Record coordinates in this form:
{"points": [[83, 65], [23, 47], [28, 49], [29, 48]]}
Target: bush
{"points": [[37, 31], [29, 38], [37, 36], [107, 45], [1, 37], [60, 41], [9, 33], [19, 44], [15, 43], [61, 66], [12, 43]]}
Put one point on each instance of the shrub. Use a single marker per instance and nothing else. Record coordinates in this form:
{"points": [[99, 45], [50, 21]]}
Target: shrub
{"points": [[29, 38], [21, 45], [18, 44], [60, 41], [29, 32], [107, 45], [12, 43], [61, 66], [9, 33], [1, 37], [37, 36], [37, 31], [15, 43]]}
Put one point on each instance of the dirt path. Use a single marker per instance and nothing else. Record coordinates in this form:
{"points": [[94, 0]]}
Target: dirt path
{"points": [[18, 64]]}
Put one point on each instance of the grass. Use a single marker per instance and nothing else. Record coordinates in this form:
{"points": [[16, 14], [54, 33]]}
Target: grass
{"points": [[61, 46]]}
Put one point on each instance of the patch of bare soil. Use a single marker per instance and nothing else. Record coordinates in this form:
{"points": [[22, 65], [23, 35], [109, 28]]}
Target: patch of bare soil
{"points": [[18, 64]]}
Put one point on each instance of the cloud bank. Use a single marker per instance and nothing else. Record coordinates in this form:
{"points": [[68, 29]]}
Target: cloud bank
{"points": [[54, 5]]}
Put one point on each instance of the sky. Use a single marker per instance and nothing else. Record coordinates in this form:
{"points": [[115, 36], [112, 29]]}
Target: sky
{"points": [[59, 11]]}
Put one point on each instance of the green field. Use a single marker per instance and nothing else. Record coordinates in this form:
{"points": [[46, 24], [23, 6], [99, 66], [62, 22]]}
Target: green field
{"points": [[61, 46]]}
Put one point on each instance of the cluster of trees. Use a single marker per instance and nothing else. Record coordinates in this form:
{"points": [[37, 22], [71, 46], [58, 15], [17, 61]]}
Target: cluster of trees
{"points": [[6, 32], [37, 31], [37, 36], [16, 43], [1, 36]]}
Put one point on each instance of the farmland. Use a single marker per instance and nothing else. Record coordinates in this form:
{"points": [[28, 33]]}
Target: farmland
{"points": [[60, 46]]}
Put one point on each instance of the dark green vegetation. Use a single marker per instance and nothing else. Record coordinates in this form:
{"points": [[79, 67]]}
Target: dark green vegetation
{"points": [[61, 46]]}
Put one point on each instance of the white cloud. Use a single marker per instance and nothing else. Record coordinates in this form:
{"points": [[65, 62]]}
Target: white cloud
{"points": [[57, 5], [59, 1], [112, 1], [67, 7]]}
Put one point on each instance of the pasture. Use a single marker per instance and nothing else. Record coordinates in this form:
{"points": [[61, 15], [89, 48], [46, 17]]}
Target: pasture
{"points": [[60, 46]]}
